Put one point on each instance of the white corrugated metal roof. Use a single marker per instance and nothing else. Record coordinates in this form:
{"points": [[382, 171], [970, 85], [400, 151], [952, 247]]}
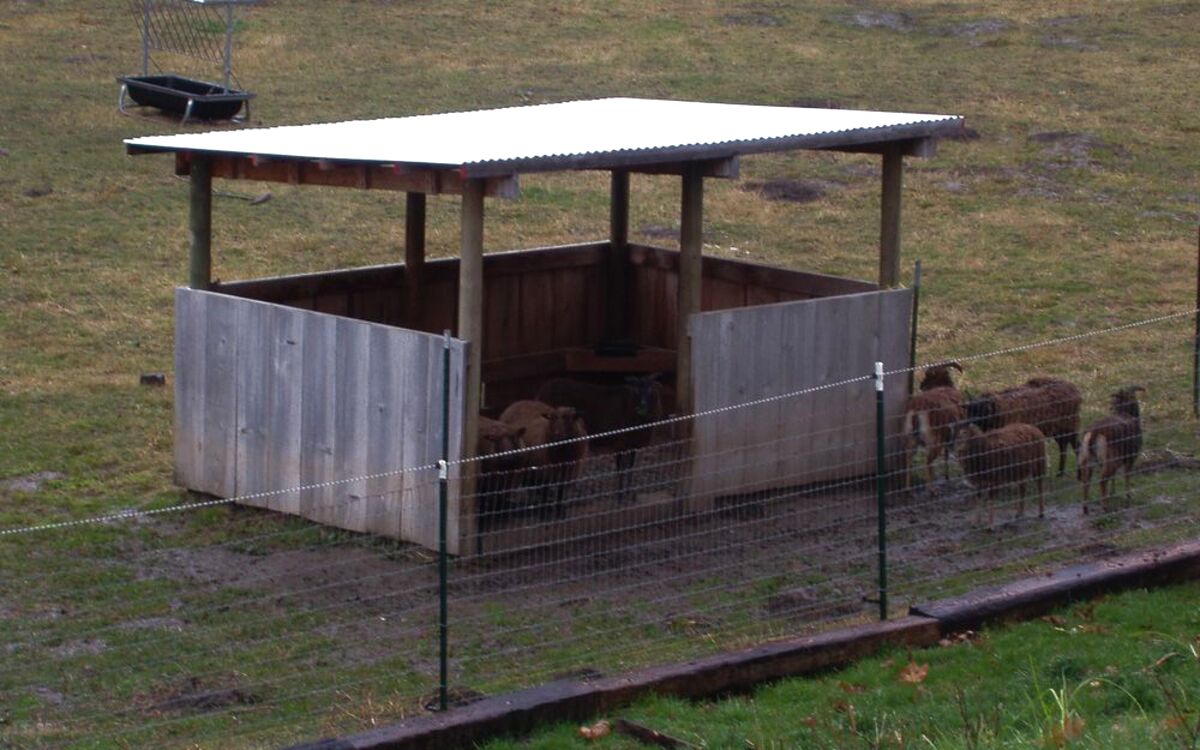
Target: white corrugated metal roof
{"points": [[578, 134]]}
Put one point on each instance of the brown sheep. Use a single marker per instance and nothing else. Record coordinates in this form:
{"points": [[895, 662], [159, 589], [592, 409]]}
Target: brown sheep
{"points": [[608, 408], [496, 448], [555, 432], [930, 419], [1008, 455], [1112, 443], [1050, 404]]}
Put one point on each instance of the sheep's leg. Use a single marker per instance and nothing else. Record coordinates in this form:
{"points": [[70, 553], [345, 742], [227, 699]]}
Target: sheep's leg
{"points": [[1041, 499], [1062, 454], [931, 456], [624, 461], [1105, 487], [1021, 499]]}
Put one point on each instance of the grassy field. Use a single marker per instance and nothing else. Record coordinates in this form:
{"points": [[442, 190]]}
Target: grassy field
{"points": [[1119, 672], [1074, 209]]}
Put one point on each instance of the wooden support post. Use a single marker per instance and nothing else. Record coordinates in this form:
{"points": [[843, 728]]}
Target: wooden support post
{"points": [[690, 268], [200, 224], [470, 307], [889, 225], [616, 313], [414, 258]]}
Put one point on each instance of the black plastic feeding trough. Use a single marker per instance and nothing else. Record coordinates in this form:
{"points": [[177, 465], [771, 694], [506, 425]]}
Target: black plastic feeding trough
{"points": [[201, 29], [186, 97]]}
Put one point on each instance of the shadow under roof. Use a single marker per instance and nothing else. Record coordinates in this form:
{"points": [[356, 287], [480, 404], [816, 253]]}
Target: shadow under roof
{"points": [[589, 134]]}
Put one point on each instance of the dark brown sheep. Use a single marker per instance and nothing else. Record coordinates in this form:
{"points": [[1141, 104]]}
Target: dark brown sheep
{"points": [[938, 376], [1008, 455], [554, 432], [607, 408], [495, 447], [1050, 404], [1112, 443]]}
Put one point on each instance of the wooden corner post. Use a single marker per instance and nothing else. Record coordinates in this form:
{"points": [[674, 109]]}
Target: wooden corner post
{"points": [[470, 307], [414, 258], [616, 312], [889, 224], [691, 258], [200, 224]]}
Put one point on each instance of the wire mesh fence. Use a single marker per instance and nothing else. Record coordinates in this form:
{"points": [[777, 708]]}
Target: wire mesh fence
{"points": [[218, 625]]}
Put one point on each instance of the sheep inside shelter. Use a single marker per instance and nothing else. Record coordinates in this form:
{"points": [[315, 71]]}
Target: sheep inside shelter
{"points": [[309, 394]]}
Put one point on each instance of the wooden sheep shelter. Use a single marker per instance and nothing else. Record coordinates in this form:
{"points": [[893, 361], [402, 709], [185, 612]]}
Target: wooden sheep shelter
{"points": [[300, 382]]}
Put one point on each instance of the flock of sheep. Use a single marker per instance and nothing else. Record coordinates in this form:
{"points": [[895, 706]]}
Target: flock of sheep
{"points": [[539, 445], [999, 438]]}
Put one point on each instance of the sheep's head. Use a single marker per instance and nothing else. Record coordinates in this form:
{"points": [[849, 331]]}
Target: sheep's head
{"points": [[938, 376], [497, 437], [1125, 401], [981, 411], [648, 404]]}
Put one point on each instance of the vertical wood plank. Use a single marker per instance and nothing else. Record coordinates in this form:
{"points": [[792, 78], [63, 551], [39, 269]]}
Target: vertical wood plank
{"points": [[502, 322], [537, 312], [317, 417], [568, 322], [256, 348], [419, 431], [385, 445], [798, 331], [220, 399], [190, 345], [350, 421], [414, 257], [286, 387]]}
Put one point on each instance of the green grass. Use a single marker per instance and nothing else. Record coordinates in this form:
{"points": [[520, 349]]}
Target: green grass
{"points": [[1023, 237], [1122, 671]]}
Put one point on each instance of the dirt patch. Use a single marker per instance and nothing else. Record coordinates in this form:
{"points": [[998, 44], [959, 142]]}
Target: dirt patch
{"points": [[81, 647], [880, 19], [1068, 41], [791, 191], [753, 18], [972, 29], [1067, 149], [48, 696], [655, 232], [195, 695], [29, 482]]}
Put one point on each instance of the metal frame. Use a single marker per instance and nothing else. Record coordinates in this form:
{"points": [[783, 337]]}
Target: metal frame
{"points": [[183, 39]]}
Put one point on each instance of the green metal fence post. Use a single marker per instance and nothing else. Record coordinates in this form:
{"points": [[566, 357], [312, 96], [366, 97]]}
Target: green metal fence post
{"points": [[881, 490], [912, 346], [443, 503]]}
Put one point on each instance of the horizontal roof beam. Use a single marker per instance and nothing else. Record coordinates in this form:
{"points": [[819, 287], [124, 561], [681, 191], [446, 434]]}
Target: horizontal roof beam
{"points": [[918, 147], [336, 174], [728, 168]]}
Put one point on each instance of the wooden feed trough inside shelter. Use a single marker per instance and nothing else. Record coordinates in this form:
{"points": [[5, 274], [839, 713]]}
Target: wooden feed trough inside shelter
{"points": [[309, 394]]}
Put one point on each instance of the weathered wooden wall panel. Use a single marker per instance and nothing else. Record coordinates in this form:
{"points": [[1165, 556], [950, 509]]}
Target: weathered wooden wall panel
{"points": [[727, 284], [292, 410], [759, 352]]}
